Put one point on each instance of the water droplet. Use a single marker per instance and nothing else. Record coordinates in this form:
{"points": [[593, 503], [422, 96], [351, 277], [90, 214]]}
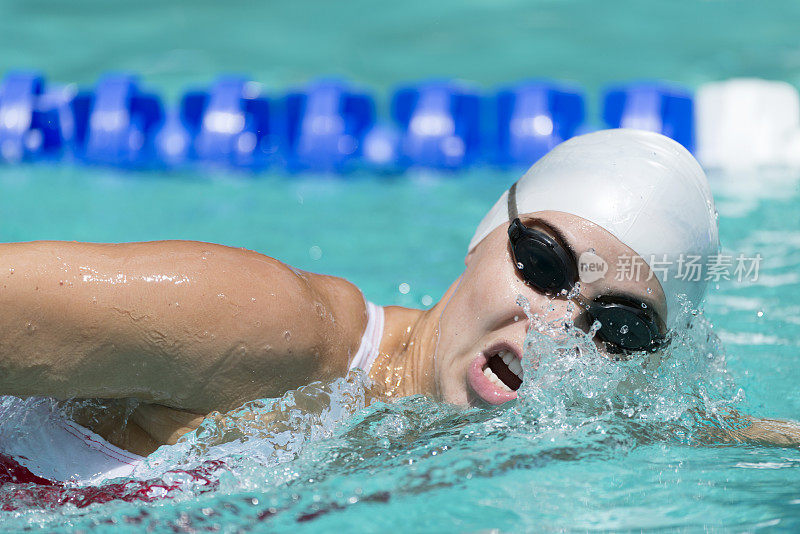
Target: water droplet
{"points": [[624, 329], [644, 305], [287, 335], [11, 270], [575, 291], [649, 290], [596, 325], [520, 265]]}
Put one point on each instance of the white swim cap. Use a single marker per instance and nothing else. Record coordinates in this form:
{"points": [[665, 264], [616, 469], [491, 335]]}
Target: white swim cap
{"points": [[642, 187]]}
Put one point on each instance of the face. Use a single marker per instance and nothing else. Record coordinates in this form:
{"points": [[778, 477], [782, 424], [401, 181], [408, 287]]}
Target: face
{"points": [[481, 323]]}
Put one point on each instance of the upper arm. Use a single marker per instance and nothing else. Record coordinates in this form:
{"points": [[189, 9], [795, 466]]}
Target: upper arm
{"points": [[186, 324], [295, 326]]}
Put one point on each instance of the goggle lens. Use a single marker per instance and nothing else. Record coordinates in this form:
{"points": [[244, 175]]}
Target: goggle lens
{"points": [[549, 268], [624, 328], [541, 267]]}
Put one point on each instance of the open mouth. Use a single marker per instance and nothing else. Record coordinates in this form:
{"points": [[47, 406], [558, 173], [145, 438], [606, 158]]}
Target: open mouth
{"points": [[496, 374], [504, 370]]}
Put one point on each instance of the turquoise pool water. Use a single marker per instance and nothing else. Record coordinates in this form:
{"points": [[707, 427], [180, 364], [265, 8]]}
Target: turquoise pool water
{"points": [[416, 465]]}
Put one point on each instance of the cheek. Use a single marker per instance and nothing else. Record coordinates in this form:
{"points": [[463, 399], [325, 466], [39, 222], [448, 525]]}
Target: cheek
{"points": [[483, 300], [493, 299]]}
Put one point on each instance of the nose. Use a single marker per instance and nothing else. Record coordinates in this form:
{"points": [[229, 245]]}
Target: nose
{"points": [[554, 307]]}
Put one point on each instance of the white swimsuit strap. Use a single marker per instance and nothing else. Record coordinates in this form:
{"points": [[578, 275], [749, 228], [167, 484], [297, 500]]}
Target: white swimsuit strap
{"points": [[371, 340]]}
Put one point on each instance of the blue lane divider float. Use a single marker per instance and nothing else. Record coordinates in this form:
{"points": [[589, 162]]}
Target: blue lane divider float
{"points": [[326, 123], [533, 117], [439, 124], [228, 124], [115, 122], [31, 119], [653, 106], [325, 126], [18, 101]]}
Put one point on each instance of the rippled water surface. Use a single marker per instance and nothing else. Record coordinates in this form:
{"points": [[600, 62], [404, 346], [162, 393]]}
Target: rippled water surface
{"points": [[590, 444]]}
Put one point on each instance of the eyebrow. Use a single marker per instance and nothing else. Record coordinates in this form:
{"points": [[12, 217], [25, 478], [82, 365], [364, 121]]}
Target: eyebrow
{"points": [[613, 292]]}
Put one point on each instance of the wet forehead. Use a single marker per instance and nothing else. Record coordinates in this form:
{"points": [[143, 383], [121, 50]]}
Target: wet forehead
{"points": [[627, 273]]}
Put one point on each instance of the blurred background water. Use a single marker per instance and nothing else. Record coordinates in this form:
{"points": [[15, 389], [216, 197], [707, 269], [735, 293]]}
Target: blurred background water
{"points": [[413, 229]]}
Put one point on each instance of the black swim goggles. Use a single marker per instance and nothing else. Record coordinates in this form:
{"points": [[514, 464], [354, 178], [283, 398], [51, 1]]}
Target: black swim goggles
{"points": [[626, 326]]}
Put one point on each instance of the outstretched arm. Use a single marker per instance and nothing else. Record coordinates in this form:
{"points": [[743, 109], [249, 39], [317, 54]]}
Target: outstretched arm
{"points": [[734, 427], [767, 432], [186, 324]]}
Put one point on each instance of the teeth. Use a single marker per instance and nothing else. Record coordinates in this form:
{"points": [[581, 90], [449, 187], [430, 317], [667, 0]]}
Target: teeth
{"points": [[495, 380], [512, 362]]}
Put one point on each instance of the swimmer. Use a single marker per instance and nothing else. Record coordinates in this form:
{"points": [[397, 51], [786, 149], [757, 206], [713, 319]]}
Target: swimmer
{"points": [[189, 328]]}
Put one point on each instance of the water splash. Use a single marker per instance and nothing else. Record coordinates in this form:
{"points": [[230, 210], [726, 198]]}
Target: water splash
{"points": [[332, 447], [571, 385], [265, 432], [573, 393]]}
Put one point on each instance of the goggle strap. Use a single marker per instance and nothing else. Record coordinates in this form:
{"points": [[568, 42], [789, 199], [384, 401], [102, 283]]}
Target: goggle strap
{"points": [[512, 203]]}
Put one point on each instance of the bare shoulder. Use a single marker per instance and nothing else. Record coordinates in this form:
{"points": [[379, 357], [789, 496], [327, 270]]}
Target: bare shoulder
{"points": [[317, 319], [341, 306], [323, 315]]}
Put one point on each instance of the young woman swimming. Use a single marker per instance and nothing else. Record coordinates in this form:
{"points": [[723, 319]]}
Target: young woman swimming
{"points": [[190, 328]]}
